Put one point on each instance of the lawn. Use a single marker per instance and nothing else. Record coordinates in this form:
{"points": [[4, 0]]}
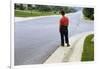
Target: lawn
{"points": [[32, 13], [88, 49]]}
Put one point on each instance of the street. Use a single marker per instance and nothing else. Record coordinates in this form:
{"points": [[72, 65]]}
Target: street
{"points": [[36, 39]]}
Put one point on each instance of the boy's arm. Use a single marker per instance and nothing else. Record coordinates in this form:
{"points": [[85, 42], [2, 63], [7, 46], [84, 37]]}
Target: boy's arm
{"points": [[68, 21], [59, 24]]}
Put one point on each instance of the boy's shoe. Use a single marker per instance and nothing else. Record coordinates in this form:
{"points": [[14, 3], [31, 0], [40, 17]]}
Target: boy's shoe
{"points": [[68, 45], [62, 45]]}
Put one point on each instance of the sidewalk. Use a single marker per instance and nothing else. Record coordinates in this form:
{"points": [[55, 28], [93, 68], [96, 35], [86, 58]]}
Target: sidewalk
{"points": [[68, 54], [18, 19]]}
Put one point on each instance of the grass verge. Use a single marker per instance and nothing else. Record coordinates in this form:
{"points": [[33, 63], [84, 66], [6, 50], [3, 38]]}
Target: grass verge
{"points": [[88, 49], [32, 13]]}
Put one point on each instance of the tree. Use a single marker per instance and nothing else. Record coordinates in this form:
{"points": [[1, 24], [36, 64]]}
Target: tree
{"points": [[30, 7], [16, 6], [43, 8], [21, 7], [89, 13]]}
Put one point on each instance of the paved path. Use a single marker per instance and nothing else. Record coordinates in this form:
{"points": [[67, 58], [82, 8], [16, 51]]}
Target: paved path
{"points": [[69, 54], [37, 39]]}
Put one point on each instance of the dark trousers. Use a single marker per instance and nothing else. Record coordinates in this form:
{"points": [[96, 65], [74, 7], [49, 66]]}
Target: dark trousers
{"points": [[64, 35]]}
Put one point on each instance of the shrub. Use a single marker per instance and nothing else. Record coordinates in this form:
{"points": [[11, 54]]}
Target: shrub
{"points": [[21, 7]]}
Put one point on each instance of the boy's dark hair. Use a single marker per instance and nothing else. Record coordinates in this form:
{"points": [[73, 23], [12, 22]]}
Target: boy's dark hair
{"points": [[62, 12]]}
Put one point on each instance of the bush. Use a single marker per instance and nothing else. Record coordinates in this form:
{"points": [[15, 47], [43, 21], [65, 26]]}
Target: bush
{"points": [[30, 7], [43, 8], [88, 13], [21, 7]]}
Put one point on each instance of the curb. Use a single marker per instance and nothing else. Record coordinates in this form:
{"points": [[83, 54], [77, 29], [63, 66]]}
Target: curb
{"points": [[18, 19], [69, 54]]}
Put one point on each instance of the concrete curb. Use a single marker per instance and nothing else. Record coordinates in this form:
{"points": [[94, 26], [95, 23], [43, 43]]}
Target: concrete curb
{"points": [[68, 54], [18, 19]]}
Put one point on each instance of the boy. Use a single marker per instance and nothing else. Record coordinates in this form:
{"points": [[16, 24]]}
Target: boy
{"points": [[63, 28]]}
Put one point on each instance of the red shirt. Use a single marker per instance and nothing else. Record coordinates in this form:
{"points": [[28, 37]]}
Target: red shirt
{"points": [[64, 21]]}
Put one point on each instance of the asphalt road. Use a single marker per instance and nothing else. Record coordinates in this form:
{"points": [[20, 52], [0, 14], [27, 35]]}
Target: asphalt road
{"points": [[35, 40]]}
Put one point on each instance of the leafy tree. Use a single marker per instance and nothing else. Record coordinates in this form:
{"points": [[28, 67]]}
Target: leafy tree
{"points": [[21, 7], [29, 7], [16, 6], [43, 8], [89, 13]]}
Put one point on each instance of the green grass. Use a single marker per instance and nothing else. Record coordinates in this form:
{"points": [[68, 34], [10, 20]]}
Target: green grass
{"points": [[31, 14], [88, 49]]}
